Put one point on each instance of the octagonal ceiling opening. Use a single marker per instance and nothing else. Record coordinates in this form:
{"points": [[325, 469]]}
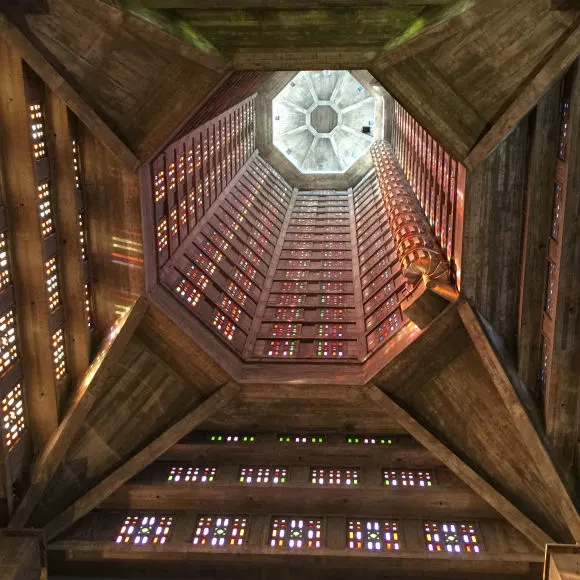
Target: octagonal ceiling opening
{"points": [[323, 121]]}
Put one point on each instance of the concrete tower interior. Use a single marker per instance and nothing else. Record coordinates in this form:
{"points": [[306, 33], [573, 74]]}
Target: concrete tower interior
{"points": [[289, 289]]}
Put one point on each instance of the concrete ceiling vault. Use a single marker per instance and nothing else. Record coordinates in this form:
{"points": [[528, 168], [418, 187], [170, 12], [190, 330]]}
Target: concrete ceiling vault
{"points": [[439, 59], [179, 389]]}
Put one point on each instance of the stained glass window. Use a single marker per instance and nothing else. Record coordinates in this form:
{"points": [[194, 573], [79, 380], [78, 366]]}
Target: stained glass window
{"points": [[45, 210], [212, 251], [331, 314], [550, 287], [217, 531], [4, 266], [37, 131], [247, 267], [556, 210], [332, 476], [281, 348], [51, 274], [563, 140], [244, 282], [230, 308], [289, 313], [289, 329], [58, 356], [258, 475], [290, 299], [295, 274], [82, 237], [293, 286], [384, 330], [251, 256], [329, 330], [331, 286], [171, 176], [296, 533], [198, 277], [8, 348], [13, 423], [226, 232], [235, 292], [330, 349], [256, 246], [231, 438], [451, 537], [373, 535], [368, 440], [219, 241], [287, 438], [332, 299], [394, 478], [205, 264], [159, 186], [142, 530], [544, 362], [174, 225], [162, 235], [189, 294], [225, 326], [190, 474]]}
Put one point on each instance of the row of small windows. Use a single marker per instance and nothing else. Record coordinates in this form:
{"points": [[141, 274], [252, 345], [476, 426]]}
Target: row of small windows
{"points": [[12, 415], [13, 423], [222, 282], [289, 348], [205, 180], [331, 476], [217, 531], [300, 438], [550, 290]]}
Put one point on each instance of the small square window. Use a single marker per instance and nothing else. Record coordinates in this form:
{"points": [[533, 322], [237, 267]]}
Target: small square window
{"points": [[296, 533]]}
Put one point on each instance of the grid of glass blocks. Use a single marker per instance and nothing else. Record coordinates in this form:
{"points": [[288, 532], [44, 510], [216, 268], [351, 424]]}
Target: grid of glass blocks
{"points": [[13, 423], [281, 348], [140, 530], [88, 305], [45, 210], [4, 268], [189, 294], [217, 531], [550, 287], [225, 326], [51, 274], [287, 438], [296, 533], [258, 475], [76, 164], [368, 440], [82, 237], [332, 476], [8, 349], [373, 535], [330, 349], [37, 131], [231, 438], [397, 477], [190, 474], [58, 358], [451, 537]]}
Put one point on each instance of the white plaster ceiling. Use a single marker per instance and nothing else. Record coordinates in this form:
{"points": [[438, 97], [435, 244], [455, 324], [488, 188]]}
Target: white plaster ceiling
{"points": [[318, 120]]}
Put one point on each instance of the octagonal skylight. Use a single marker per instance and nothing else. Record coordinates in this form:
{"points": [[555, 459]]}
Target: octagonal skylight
{"points": [[323, 121]]}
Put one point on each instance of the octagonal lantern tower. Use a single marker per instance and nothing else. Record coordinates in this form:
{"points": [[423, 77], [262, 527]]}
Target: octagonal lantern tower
{"points": [[323, 121]]}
